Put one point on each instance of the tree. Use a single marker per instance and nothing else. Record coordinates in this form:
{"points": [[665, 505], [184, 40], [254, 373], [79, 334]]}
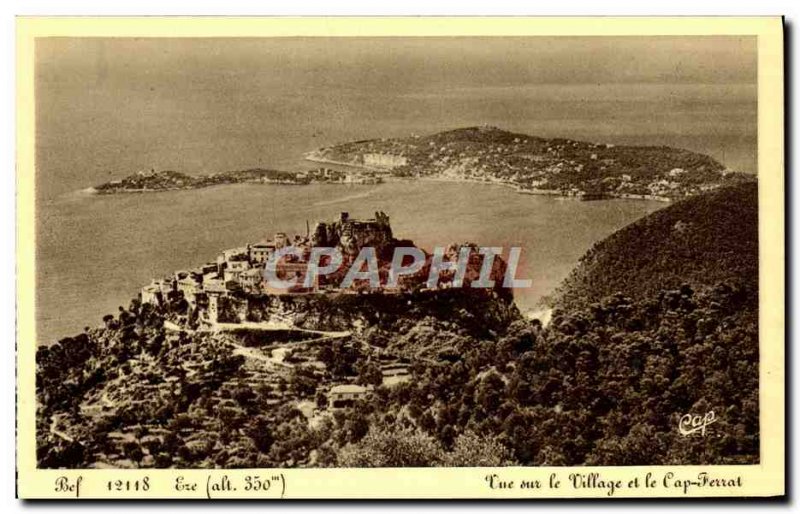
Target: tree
{"points": [[259, 431], [303, 380], [369, 373], [490, 392], [244, 396], [393, 447], [134, 452], [321, 400], [473, 450], [109, 321]]}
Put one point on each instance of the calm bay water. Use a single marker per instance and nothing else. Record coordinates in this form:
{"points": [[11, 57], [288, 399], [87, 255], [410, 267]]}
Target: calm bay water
{"points": [[95, 252]]}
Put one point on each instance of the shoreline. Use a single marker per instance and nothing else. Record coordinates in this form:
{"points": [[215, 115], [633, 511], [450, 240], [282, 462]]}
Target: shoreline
{"points": [[93, 191], [172, 189], [385, 175], [517, 188]]}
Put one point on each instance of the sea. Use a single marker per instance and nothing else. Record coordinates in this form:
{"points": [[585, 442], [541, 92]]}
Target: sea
{"points": [[104, 112]]}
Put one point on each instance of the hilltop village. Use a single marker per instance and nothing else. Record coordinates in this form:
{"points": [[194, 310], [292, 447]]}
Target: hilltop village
{"points": [[535, 165], [237, 275], [210, 367], [233, 290], [445, 377]]}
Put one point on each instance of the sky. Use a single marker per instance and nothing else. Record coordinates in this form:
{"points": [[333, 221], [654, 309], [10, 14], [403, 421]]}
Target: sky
{"points": [[377, 62]]}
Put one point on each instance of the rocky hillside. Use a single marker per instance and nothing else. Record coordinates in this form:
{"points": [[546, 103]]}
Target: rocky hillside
{"points": [[478, 311]]}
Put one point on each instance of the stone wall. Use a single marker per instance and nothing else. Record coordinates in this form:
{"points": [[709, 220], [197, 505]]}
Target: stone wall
{"points": [[350, 235], [476, 310]]}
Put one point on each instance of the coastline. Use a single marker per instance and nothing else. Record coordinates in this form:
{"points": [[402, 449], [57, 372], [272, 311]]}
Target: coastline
{"points": [[111, 192], [517, 188], [385, 174], [95, 191]]}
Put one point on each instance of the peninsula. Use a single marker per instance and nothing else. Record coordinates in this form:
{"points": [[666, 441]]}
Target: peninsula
{"points": [[153, 181], [487, 155], [536, 165]]}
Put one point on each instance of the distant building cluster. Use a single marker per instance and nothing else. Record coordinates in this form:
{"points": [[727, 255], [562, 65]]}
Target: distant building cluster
{"points": [[383, 160], [331, 176], [533, 165]]}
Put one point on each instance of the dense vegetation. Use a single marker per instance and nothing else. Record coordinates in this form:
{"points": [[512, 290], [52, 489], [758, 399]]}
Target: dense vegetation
{"points": [[659, 320], [603, 386], [700, 241], [557, 166]]}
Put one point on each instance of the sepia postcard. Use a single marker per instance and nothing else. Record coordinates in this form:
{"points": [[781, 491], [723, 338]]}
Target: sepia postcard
{"points": [[412, 258]]}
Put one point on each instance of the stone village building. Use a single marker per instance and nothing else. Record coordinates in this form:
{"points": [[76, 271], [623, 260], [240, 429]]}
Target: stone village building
{"points": [[242, 268]]}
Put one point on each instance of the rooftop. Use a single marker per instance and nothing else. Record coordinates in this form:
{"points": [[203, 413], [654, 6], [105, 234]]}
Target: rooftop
{"points": [[348, 388]]}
